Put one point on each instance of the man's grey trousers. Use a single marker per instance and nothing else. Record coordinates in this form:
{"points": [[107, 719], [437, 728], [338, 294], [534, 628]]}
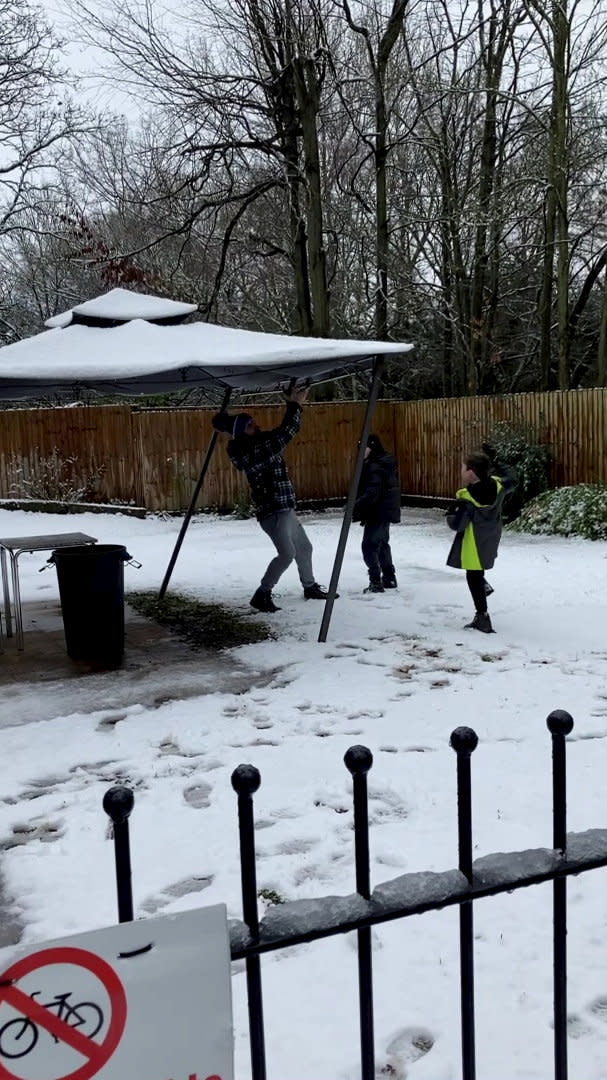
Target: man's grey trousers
{"points": [[291, 542]]}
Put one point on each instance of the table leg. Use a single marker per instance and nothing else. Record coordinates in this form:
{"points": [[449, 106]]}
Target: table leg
{"points": [[7, 595], [17, 599]]}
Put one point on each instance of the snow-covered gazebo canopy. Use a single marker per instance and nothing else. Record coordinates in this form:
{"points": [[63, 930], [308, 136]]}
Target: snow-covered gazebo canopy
{"points": [[137, 354], [122, 305], [132, 343]]}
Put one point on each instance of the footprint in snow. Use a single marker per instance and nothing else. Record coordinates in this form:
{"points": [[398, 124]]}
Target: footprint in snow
{"points": [[108, 723], [42, 829], [599, 1008], [296, 846], [262, 721], [584, 736], [175, 892], [577, 1028], [170, 747], [197, 796], [386, 806], [407, 1046]]}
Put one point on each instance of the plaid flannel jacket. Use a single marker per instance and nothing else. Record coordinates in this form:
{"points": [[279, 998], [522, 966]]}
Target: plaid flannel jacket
{"points": [[260, 458]]}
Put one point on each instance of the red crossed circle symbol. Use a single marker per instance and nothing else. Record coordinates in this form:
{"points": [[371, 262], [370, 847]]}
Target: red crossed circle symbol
{"points": [[96, 1053]]}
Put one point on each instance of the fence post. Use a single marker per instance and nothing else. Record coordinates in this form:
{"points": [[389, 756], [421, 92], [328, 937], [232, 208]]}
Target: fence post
{"points": [[559, 723], [118, 803], [464, 741], [246, 781], [358, 760]]}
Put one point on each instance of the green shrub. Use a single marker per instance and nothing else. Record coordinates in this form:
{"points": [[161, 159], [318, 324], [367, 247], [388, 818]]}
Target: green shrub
{"points": [[271, 896], [519, 450], [567, 511], [242, 507]]}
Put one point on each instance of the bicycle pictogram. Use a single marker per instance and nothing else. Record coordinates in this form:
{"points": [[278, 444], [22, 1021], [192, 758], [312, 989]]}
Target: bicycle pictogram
{"points": [[19, 1036]]}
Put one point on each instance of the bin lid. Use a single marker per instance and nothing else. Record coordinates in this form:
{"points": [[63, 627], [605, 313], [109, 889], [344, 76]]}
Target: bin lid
{"points": [[90, 551]]}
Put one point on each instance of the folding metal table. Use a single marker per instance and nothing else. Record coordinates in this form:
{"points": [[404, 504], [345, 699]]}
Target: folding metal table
{"points": [[16, 546]]}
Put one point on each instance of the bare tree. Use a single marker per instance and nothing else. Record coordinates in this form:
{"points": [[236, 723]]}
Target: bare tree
{"points": [[243, 119], [380, 37], [36, 118]]}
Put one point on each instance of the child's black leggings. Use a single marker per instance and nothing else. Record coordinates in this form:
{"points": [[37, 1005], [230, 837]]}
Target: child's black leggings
{"points": [[476, 584]]}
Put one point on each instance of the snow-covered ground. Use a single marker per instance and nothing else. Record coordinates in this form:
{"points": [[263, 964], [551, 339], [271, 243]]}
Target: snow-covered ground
{"points": [[397, 674]]}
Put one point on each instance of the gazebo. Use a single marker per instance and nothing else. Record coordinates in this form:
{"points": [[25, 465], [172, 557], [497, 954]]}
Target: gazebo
{"points": [[136, 344]]}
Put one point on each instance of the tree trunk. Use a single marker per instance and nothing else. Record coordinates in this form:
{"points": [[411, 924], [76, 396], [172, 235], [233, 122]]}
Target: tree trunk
{"points": [[601, 374], [561, 184], [546, 290], [308, 100], [381, 211]]}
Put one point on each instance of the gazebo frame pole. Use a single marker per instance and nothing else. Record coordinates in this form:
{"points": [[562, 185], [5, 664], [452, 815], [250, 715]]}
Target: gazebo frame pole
{"points": [[347, 521], [193, 501]]}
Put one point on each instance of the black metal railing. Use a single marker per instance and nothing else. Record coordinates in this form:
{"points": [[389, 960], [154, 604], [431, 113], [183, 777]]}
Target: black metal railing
{"points": [[296, 922]]}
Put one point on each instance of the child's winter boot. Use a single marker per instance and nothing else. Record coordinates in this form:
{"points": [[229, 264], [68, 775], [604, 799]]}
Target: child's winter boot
{"points": [[482, 622], [375, 585]]}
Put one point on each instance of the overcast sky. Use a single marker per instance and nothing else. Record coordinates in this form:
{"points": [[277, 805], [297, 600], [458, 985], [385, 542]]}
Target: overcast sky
{"points": [[88, 63]]}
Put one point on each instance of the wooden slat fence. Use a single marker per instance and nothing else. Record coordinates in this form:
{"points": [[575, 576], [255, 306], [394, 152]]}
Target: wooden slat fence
{"points": [[152, 457]]}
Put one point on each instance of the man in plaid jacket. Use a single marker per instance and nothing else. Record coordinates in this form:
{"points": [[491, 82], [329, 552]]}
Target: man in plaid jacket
{"points": [[259, 455]]}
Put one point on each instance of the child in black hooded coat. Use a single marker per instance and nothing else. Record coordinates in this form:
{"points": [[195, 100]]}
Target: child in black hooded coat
{"points": [[377, 506]]}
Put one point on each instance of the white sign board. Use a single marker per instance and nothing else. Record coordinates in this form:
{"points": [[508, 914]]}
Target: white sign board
{"points": [[147, 1000]]}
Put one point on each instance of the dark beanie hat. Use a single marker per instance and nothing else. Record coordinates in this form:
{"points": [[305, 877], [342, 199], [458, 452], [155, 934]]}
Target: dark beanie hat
{"points": [[223, 422], [240, 423], [375, 444], [231, 425]]}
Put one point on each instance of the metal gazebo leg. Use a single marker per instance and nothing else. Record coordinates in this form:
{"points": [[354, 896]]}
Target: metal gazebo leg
{"points": [[347, 521], [193, 501]]}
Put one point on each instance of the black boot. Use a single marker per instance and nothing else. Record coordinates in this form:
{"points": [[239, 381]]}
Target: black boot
{"points": [[262, 600], [375, 585], [482, 622], [316, 592], [487, 587], [388, 579]]}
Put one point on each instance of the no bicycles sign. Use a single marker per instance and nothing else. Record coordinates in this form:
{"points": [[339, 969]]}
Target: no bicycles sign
{"points": [[146, 1000]]}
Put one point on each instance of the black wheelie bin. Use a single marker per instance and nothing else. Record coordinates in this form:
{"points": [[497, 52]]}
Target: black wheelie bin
{"points": [[91, 587]]}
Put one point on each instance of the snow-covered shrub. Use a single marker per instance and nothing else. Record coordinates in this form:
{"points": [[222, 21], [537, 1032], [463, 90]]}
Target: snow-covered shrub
{"points": [[518, 449], [57, 478], [567, 511]]}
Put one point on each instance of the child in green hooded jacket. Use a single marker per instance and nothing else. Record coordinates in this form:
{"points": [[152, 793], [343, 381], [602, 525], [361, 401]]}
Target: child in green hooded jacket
{"points": [[477, 521]]}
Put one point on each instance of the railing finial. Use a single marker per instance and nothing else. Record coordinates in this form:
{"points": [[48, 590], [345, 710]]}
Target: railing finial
{"points": [[463, 740], [358, 760], [118, 803], [560, 722], [246, 779]]}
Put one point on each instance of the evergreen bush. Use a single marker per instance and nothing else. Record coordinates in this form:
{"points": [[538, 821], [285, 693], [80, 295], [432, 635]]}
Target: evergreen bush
{"points": [[568, 511], [518, 449]]}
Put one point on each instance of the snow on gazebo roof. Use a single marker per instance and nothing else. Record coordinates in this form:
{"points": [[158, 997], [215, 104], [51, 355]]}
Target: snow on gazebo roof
{"points": [[122, 305], [140, 357]]}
